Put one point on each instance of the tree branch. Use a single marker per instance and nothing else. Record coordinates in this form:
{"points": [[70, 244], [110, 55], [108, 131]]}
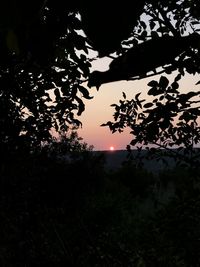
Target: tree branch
{"points": [[167, 21], [147, 76]]}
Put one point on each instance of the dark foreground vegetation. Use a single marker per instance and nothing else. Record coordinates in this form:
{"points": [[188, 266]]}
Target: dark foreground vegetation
{"points": [[71, 211]]}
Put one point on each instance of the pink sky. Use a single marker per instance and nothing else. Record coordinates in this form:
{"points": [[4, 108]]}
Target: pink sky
{"points": [[98, 110]]}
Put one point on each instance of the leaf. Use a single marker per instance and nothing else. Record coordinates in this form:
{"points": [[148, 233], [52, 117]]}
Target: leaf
{"points": [[163, 82], [109, 124], [138, 102], [84, 92], [57, 94], [153, 83], [81, 106], [137, 96], [148, 105], [133, 142], [152, 91], [124, 95], [77, 122], [178, 77], [161, 98], [175, 85]]}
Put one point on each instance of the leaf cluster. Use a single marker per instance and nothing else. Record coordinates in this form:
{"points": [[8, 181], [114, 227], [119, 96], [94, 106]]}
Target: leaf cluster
{"points": [[170, 120], [41, 86]]}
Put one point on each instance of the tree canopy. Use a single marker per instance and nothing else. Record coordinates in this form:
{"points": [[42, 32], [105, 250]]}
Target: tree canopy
{"points": [[45, 60]]}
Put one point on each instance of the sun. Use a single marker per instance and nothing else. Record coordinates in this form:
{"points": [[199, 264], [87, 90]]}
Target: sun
{"points": [[112, 148]]}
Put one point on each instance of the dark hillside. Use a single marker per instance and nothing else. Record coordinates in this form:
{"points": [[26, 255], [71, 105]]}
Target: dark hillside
{"points": [[115, 159]]}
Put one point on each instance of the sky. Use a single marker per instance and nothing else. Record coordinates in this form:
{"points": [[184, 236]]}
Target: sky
{"points": [[98, 110]]}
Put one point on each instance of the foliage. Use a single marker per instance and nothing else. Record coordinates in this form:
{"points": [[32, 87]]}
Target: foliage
{"points": [[41, 84], [68, 145], [169, 121], [171, 118], [45, 60]]}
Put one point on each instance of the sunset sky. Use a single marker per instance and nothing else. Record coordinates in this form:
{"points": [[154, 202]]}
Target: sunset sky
{"points": [[98, 109]]}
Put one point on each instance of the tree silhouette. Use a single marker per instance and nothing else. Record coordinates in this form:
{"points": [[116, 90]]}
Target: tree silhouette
{"points": [[42, 74], [168, 42], [68, 211]]}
